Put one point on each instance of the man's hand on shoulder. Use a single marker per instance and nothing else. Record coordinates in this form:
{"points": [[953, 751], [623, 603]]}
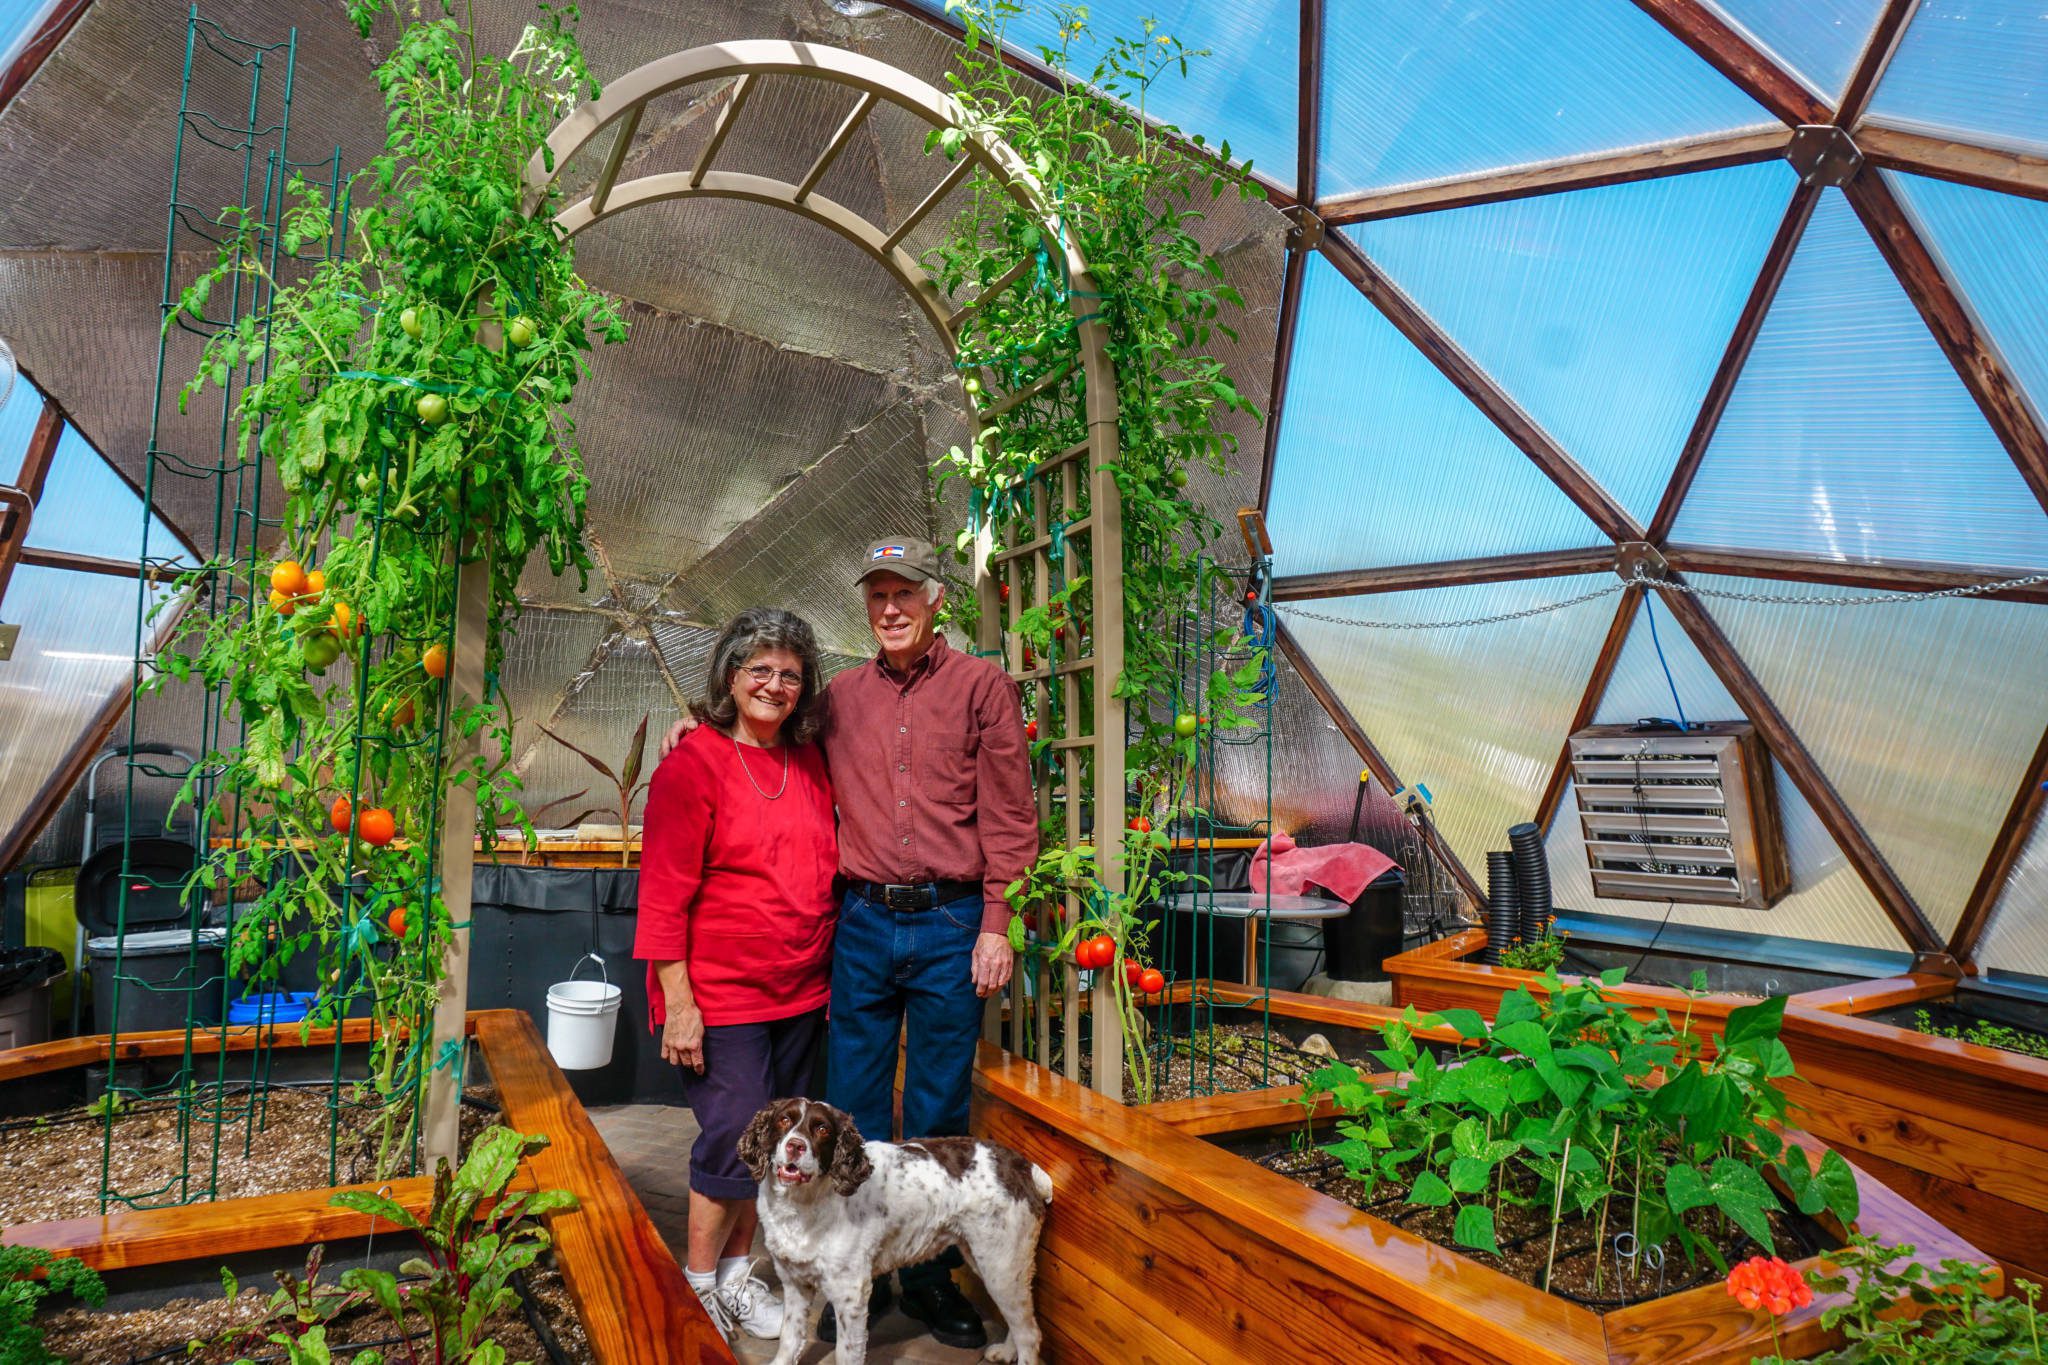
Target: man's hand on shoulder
{"points": [[675, 735], [993, 959]]}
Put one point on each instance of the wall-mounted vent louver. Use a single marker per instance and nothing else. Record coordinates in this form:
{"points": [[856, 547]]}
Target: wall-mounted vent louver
{"points": [[1689, 817]]}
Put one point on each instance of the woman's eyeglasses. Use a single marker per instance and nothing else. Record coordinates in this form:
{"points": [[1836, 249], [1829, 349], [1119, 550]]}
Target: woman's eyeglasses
{"points": [[762, 675]]}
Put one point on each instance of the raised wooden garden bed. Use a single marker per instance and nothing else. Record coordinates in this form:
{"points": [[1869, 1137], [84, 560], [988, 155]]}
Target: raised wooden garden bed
{"points": [[1163, 1246], [630, 1294]]}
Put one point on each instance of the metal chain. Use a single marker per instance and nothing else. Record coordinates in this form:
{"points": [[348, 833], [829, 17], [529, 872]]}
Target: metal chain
{"points": [[1643, 580]]}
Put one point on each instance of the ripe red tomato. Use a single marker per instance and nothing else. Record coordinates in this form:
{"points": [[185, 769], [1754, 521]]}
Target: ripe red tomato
{"points": [[1105, 950], [1003, 590], [377, 826], [1133, 969], [1031, 729], [1152, 981], [1142, 825], [395, 922], [338, 815], [1030, 660]]}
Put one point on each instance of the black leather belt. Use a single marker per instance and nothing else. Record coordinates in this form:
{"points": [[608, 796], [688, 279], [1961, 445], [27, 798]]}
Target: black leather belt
{"points": [[918, 896]]}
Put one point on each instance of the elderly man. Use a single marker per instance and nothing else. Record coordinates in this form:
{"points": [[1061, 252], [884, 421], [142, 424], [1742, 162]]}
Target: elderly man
{"points": [[936, 818]]}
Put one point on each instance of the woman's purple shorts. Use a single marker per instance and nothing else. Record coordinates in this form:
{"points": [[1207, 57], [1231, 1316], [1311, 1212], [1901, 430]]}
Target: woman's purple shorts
{"points": [[746, 1066]]}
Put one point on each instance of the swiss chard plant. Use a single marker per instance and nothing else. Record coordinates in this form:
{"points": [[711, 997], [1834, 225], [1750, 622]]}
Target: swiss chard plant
{"points": [[1569, 1103], [405, 372]]}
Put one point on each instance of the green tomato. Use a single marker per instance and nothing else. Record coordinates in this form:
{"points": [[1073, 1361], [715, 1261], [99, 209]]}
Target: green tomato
{"points": [[971, 384], [321, 649], [1185, 724], [521, 332], [432, 408], [1179, 478], [409, 323]]}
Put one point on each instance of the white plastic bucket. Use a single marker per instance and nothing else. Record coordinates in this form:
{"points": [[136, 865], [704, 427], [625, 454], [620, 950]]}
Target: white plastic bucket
{"points": [[583, 1018]]}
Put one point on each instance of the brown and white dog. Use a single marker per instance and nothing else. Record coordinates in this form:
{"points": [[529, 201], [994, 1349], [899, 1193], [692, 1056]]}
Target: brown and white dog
{"points": [[836, 1211]]}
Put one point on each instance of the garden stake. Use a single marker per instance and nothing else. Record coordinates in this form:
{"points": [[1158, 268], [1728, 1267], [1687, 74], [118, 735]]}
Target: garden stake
{"points": [[1556, 1208]]}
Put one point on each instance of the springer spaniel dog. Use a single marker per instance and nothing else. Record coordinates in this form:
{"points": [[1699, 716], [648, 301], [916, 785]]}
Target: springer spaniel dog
{"points": [[836, 1211]]}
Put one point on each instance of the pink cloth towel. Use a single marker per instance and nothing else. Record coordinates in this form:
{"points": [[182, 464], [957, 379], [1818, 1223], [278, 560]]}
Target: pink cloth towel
{"points": [[1344, 870]]}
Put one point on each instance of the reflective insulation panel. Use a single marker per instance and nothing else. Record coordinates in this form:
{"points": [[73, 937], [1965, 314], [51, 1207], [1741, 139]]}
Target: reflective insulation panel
{"points": [[599, 711], [1602, 312], [1923, 715], [1418, 92], [19, 417], [1475, 713], [1849, 435], [1827, 902], [1382, 461], [1972, 69]]}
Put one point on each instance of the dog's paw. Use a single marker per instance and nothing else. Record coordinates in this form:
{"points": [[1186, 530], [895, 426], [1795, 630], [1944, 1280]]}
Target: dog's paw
{"points": [[1001, 1351]]}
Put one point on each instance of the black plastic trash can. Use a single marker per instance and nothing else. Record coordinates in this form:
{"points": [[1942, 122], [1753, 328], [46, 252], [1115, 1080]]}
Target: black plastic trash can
{"points": [[1362, 941], [163, 973], [25, 977]]}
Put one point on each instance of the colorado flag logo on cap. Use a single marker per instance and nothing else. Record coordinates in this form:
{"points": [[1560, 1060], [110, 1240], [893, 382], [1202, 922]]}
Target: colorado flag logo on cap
{"points": [[886, 552]]}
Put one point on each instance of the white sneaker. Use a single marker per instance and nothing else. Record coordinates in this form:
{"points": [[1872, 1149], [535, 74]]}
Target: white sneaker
{"points": [[715, 1308], [749, 1302]]}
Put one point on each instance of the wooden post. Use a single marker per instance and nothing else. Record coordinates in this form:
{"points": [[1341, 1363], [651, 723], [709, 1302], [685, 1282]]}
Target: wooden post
{"points": [[442, 1128]]}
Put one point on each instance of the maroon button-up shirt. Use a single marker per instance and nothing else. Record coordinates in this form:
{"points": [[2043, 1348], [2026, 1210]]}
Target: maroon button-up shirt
{"points": [[933, 775]]}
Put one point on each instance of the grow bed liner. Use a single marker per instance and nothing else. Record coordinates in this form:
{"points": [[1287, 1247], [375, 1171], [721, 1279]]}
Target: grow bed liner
{"points": [[1160, 1245], [628, 1289]]}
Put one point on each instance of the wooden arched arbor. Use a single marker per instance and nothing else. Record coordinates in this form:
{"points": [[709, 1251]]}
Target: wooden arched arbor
{"points": [[1095, 740]]}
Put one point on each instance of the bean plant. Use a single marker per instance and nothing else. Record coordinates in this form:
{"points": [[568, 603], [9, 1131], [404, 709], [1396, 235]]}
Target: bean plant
{"points": [[1568, 1101], [405, 373]]}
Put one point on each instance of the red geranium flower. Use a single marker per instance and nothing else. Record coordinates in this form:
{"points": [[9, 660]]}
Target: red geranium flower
{"points": [[1770, 1284]]}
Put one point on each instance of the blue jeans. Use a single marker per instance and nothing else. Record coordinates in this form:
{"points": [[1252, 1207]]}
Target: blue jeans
{"points": [[893, 969]]}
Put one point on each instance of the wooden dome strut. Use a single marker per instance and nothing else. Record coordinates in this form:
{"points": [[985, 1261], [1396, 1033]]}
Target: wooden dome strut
{"points": [[1097, 739]]}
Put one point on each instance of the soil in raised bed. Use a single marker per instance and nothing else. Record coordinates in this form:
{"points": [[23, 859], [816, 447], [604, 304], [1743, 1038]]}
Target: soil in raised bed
{"points": [[1675, 970], [1524, 1235], [163, 1333], [53, 1161], [1232, 1058], [2013, 1028]]}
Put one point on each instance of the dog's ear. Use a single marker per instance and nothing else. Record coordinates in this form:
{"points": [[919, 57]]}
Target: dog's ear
{"points": [[850, 1166], [756, 1142]]}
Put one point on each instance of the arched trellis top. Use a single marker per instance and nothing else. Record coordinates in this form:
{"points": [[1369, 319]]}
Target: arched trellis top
{"points": [[1085, 765]]}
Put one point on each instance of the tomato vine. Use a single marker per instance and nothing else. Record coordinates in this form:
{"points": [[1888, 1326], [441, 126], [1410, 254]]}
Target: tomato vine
{"points": [[406, 371]]}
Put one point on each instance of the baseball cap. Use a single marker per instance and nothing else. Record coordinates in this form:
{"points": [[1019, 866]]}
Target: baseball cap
{"points": [[904, 557]]}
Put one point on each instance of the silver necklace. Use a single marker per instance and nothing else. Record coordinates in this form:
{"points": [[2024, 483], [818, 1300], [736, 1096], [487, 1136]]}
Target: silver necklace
{"points": [[750, 772]]}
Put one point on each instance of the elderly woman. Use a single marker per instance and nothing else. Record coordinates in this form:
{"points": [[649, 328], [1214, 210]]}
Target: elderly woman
{"points": [[736, 922]]}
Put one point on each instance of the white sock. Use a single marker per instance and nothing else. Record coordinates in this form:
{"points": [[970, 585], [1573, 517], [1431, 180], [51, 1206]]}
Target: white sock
{"points": [[730, 1266], [703, 1281]]}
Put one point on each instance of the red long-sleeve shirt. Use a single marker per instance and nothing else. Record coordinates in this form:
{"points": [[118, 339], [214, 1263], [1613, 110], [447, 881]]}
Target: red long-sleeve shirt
{"points": [[933, 775], [736, 885]]}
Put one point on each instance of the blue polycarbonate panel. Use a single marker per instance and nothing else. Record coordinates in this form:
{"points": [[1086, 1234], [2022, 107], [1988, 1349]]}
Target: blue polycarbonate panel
{"points": [[1923, 715], [1603, 312], [1474, 713], [17, 423], [1977, 69], [19, 22], [1828, 901], [1245, 91], [1990, 247], [1416, 91], [87, 509], [1381, 461], [2016, 939], [1816, 40], [1849, 435]]}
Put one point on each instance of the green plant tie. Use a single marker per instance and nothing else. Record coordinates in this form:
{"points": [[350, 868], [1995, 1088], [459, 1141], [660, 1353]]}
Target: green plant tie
{"points": [[426, 385]]}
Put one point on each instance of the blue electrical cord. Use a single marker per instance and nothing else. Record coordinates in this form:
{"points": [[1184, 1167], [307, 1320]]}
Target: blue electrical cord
{"points": [[1262, 631], [1650, 608]]}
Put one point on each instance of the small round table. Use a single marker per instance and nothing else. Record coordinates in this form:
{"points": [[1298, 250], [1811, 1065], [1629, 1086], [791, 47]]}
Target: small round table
{"points": [[1252, 907]]}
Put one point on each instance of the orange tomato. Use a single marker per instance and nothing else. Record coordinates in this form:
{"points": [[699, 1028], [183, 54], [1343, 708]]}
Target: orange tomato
{"points": [[316, 583], [395, 922], [377, 826], [288, 576], [405, 714], [338, 815], [282, 603], [346, 623], [435, 661]]}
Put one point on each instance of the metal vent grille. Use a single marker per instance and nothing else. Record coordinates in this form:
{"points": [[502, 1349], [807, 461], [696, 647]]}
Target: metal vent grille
{"points": [[1688, 817]]}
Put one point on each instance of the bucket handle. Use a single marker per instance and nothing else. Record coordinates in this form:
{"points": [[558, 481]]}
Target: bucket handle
{"points": [[591, 957]]}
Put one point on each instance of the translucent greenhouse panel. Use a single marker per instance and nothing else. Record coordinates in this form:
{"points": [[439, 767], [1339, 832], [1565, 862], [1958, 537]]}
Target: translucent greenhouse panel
{"points": [[1604, 312], [1828, 901], [1849, 435], [77, 648], [2016, 939], [1244, 91], [88, 509], [20, 21], [1989, 246], [1381, 461], [1976, 69], [1477, 713], [1415, 92], [17, 424], [1922, 714], [1816, 40]]}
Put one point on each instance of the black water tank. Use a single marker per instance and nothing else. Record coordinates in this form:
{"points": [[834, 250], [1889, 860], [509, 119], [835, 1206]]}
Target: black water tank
{"points": [[1362, 941]]}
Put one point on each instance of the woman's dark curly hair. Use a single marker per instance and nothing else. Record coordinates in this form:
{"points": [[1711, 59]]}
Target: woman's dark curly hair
{"points": [[753, 631]]}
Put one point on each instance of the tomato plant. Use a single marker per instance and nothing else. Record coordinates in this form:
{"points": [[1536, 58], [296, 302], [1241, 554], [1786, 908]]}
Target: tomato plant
{"points": [[411, 447]]}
